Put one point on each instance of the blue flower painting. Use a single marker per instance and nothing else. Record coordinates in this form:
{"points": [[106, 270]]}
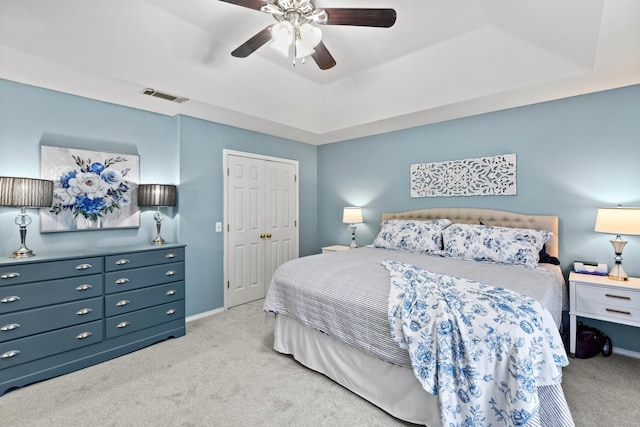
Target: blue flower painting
{"points": [[92, 190]]}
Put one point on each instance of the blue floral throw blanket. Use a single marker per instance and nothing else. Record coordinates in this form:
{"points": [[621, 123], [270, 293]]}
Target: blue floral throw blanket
{"points": [[482, 350]]}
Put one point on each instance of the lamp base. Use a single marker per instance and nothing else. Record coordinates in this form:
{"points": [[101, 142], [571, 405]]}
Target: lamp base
{"points": [[353, 236], [618, 273], [23, 252], [158, 241]]}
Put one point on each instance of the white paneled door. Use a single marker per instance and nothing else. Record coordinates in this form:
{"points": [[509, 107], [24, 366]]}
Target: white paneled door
{"points": [[261, 215]]}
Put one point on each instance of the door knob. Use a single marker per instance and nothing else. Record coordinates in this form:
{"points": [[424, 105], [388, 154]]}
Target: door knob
{"points": [[268, 235], [262, 235]]}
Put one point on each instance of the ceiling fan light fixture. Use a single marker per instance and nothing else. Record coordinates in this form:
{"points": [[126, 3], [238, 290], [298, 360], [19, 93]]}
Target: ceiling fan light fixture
{"points": [[302, 50], [282, 33], [310, 35], [296, 36]]}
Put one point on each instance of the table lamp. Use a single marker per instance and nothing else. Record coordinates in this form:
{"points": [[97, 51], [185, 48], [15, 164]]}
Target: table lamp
{"points": [[618, 220], [25, 193], [157, 195], [352, 216]]}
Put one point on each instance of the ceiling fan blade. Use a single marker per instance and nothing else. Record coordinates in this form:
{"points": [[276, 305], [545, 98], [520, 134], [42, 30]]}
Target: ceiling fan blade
{"points": [[251, 45], [322, 57], [251, 4], [361, 17]]}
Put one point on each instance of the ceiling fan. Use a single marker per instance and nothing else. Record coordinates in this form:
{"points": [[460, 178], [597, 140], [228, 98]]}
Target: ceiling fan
{"points": [[296, 36]]}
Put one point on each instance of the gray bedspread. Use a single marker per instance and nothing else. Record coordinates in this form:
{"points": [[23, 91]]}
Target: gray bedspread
{"points": [[345, 294]]}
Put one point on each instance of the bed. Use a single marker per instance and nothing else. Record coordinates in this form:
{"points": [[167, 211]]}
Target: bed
{"points": [[332, 311]]}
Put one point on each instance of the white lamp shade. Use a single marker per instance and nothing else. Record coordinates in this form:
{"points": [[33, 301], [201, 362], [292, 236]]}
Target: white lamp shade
{"points": [[310, 35], [352, 215], [282, 33], [618, 220]]}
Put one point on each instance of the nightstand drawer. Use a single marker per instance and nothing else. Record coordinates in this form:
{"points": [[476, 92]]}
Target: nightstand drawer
{"points": [[38, 346], [599, 310], [143, 259], [136, 320], [30, 322], [125, 302], [22, 297], [627, 298], [119, 281]]}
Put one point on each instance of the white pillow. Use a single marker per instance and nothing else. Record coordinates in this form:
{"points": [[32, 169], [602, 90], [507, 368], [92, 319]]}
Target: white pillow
{"points": [[411, 236], [494, 244]]}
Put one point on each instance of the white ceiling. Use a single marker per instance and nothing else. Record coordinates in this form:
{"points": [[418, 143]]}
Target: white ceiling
{"points": [[443, 59]]}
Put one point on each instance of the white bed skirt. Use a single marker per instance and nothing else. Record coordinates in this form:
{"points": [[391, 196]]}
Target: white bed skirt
{"points": [[392, 388]]}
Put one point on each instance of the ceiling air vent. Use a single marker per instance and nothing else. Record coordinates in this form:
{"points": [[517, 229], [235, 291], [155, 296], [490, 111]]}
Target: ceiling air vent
{"points": [[161, 95]]}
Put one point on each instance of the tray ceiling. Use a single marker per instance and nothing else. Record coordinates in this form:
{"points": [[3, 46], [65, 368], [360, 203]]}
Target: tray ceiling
{"points": [[441, 60]]}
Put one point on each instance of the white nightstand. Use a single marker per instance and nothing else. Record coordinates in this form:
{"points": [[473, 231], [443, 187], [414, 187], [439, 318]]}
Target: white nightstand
{"points": [[335, 248], [599, 297]]}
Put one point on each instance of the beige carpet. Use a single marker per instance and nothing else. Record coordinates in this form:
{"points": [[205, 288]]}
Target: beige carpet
{"points": [[225, 373]]}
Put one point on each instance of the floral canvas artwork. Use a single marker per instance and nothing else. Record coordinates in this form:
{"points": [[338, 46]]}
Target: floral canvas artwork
{"points": [[92, 189]]}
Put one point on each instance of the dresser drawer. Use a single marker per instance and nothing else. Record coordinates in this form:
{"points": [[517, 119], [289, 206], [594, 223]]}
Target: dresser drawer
{"points": [[141, 319], [38, 346], [119, 281], [28, 272], [22, 297], [125, 302], [143, 259], [30, 322]]}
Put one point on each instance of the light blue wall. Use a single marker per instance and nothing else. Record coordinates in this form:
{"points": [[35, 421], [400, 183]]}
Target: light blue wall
{"points": [[31, 116], [573, 155], [178, 150]]}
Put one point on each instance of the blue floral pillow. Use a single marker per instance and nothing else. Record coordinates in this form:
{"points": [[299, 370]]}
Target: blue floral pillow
{"points": [[494, 244], [411, 236]]}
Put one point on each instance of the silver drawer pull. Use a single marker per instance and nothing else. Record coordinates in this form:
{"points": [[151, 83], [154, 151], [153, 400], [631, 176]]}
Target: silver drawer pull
{"points": [[617, 296], [122, 303], [171, 255], [9, 327], [122, 281], [10, 353], [11, 275], [12, 298], [170, 273], [83, 335], [122, 325], [171, 311], [83, 266], [122, 261], [171, 292], [612, 310], [84, 287], [83, 311]]}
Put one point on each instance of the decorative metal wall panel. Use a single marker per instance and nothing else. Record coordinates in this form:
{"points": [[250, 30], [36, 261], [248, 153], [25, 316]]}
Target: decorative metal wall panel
{"points": [[483, 176]]}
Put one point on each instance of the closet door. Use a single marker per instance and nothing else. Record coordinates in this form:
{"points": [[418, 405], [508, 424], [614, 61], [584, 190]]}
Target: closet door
{"points": [[261, 224], [280, 216]]}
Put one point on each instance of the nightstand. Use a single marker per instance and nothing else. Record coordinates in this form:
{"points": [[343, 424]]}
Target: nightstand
{"points": [[335, 248], [598, 297]]}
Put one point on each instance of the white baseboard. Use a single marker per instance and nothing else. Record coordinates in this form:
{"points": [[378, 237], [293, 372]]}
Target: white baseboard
{"points": [[206, 314], [628, 353]]}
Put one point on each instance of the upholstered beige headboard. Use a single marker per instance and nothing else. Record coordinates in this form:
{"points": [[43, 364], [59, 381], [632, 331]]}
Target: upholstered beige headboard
{"points": [[488, 217]]}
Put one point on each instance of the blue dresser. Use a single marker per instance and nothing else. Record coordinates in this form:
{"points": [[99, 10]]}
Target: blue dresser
{"points": [[63, 313]]}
